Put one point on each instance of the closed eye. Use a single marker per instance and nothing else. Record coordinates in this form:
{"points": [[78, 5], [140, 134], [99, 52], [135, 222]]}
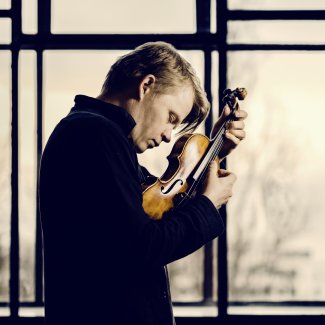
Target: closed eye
{"points": [[173, 119]]}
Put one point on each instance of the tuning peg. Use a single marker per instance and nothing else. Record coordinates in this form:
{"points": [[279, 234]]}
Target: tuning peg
{"points": [[241, 93], [226, 92]]}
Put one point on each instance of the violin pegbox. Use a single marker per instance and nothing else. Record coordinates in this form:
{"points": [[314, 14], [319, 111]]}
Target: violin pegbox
{"points": [[231, 96]]}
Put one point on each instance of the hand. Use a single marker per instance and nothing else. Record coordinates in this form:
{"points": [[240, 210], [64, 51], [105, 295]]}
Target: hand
{"points": [[218, 185], [234, 133]]}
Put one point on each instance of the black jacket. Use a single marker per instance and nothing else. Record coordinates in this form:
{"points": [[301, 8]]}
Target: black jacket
{"points": [[104, 258]]}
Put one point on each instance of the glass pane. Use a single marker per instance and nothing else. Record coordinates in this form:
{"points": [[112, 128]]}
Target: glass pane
{"points": [[276, 32], [5, 4], [4, 311], [63, 79], [276, 216], [215, 86], [215, 271], [5, 28], [213, 21], [29, 16], [27, 173], [142, 16], [186, 277], [5, 171], [276, 5]]}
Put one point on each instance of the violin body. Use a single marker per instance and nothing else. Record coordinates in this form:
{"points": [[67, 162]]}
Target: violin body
{"points": [[188, 163], [187, 152]]}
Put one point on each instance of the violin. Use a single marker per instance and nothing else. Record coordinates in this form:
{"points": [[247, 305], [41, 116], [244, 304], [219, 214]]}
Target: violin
{"points": [[187, 165]]}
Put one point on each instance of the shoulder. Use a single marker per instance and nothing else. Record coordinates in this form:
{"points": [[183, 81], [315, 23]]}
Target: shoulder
{"points": [[89, 134], [90, 121], [88, 127]]}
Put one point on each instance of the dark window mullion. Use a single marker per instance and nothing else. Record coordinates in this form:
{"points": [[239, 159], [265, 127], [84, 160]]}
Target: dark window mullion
{"points": [[5, 13], [222, 241], [44, 17], [276, 47], [115, 41], [208, 249], [14, 225], [203, 16], [276, 15]]}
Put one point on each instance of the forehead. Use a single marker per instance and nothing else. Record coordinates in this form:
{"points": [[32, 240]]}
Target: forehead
{"points": [[181, 100]]}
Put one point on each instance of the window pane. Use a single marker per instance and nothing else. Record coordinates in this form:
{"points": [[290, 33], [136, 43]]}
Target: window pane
{"points": [[276, 216], [5, 28], [186, 277], [5, 4], [29, 16], [276, 5], [215, 86], [5, 171], [108, 16], [63, 79], [272, 32], [27, 173], [213, 16]]}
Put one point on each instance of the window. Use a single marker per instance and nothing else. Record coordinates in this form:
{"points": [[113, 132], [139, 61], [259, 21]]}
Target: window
{"points": [[271, 255], [274, 227]]}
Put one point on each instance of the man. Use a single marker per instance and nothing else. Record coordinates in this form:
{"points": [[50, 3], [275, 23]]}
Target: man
{"points": [[104, 257]]}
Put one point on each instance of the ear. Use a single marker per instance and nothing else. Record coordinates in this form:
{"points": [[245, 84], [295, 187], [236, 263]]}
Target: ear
{"points": [[146, 85]]}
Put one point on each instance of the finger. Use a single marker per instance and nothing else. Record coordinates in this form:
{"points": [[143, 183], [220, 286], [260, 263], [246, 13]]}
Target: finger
{"points": [[232, 138], [214, 165], [241, 114], [239, 134], [226, 111], [236, 125], [225, 173]]}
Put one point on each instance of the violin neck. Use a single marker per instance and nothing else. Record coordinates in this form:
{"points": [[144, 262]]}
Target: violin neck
{"points": [[213, 151]]}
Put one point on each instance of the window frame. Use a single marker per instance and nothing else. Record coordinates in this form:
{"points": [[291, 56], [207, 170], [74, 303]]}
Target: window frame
{"points": [[203, 40]]}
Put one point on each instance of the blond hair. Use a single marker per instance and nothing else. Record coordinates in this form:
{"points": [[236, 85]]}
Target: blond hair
{"points": [[170, 70]]}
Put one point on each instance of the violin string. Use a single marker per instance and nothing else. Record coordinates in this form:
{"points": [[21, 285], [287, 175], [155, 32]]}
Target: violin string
{"points": [[214, 150]]}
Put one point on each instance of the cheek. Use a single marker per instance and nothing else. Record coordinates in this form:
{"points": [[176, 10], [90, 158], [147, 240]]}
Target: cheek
{"points": [[152, 127]]}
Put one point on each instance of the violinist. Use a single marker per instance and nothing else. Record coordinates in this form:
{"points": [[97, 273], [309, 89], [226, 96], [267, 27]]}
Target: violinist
{"points": [[105, 257]]}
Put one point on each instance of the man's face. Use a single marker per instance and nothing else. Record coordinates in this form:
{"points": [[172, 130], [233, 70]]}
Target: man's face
{"points": [[158, 115]]}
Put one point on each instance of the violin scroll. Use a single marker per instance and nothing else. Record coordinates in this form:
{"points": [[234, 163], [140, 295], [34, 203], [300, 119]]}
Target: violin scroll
{"points": [[231, 95]]}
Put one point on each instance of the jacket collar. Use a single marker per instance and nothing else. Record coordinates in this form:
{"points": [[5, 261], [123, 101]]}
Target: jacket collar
{"points": [[109, 111]]}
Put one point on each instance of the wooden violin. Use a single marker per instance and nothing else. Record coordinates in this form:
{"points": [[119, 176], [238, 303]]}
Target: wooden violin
{"points": [[188, 162]]}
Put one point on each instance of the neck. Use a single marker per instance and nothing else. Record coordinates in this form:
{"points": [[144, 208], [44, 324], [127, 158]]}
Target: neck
{"points": [[123, 102]]}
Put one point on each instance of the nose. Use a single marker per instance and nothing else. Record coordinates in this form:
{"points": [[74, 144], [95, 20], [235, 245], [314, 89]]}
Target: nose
{"points": [[166, 135]]}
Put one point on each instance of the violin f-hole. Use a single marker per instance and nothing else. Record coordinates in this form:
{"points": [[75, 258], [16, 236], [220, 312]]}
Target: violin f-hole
{"points": [[171, 187]]}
